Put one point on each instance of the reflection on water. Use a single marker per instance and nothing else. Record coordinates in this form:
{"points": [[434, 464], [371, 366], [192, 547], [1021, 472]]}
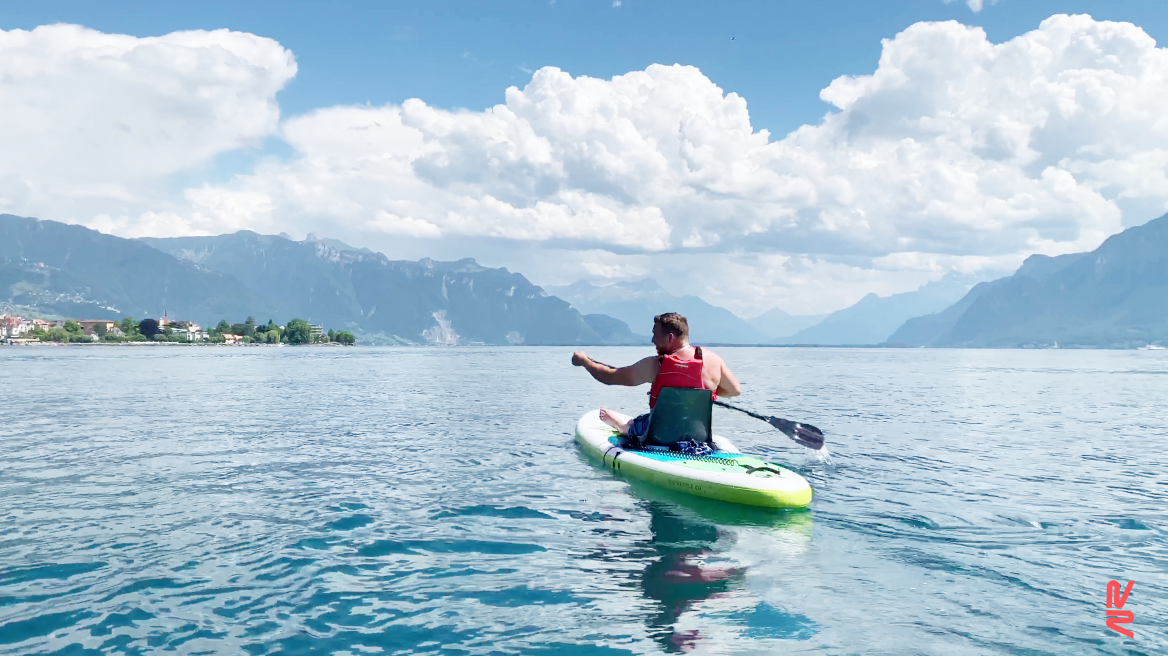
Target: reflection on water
{"points": [[697, 587], [685, 571]]}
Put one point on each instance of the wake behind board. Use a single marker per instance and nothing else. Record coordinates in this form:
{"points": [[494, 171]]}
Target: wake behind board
{"points": [[726, 474]]}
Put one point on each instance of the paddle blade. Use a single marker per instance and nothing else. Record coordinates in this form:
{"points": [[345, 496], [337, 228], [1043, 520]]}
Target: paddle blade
{"points": [[805, 434]]}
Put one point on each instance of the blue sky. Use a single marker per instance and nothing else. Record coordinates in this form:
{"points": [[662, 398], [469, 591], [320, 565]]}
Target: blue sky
{"points": [[940, 151], [464, 54]]}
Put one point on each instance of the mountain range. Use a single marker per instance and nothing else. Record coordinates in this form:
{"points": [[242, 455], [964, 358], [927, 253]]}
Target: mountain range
{"points": [[390, 301], [873, 318], [1115, 296], [868, 322], [1112, 297], [776, 323], [72, 271], [636, 303]]}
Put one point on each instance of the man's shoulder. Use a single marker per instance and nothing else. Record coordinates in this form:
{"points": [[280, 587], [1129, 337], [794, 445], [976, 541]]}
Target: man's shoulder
{"points": [[713, 357]]}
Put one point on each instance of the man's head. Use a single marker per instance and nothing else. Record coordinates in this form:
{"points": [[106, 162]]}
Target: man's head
{"points": [[670, 332]]}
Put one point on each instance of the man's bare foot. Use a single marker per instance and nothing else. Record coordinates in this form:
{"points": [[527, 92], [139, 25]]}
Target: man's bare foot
{"points": [[616, 420]]}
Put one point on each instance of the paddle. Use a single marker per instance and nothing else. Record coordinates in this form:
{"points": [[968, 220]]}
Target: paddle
{"points": [[804, 434]]}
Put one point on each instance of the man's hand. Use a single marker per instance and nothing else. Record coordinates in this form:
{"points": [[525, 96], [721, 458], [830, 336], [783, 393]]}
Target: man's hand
{"points": [[578, 358]]}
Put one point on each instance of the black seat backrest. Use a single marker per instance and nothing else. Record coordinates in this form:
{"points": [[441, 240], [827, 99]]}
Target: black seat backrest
{"points": [[681, 414]]}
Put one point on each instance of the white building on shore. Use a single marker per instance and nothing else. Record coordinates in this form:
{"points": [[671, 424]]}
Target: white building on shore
{"points": [[14, 326], [189, 329]]}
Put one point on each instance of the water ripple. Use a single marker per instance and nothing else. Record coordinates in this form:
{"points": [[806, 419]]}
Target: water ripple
{"points": [[431, 501]]}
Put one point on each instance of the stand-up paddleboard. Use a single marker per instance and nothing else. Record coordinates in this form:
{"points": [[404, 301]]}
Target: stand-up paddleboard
{"points": [[726, 474]]}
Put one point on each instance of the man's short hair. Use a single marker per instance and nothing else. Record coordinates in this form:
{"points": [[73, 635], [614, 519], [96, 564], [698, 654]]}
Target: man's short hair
{"points": [[672, 323]]}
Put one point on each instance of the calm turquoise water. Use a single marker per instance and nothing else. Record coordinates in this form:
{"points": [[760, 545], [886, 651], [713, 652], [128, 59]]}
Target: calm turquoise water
{"points": [[368, 501]]}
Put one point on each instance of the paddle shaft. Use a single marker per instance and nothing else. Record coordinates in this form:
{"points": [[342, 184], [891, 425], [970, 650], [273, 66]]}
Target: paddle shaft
{"points": [[743, 410]]}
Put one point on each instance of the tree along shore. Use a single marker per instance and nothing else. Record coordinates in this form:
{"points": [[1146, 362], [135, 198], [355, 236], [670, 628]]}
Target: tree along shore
{"points": [[151, 331]]}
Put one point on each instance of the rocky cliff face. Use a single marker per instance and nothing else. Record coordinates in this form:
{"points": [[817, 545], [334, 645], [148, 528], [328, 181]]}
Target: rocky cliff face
{"points": [[423, 302]]}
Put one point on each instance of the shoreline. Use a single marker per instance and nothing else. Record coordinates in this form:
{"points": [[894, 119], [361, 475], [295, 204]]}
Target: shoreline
{"points": [[471, 346], [178, 344]]}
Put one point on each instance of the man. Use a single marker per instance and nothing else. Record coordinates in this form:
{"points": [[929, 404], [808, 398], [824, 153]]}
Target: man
{"points": [[677, 364]]}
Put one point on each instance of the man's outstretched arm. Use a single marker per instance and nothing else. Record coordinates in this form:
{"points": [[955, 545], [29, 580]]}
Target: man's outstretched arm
{"points": [[728, 385], [635, 374]]}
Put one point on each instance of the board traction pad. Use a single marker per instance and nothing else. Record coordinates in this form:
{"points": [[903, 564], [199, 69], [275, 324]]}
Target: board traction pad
{"points": [[734, 460]]}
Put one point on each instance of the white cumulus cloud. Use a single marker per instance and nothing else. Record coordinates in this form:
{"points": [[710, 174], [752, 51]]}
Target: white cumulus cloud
{"points": [[955, 151], [93, 121], [954, 154]]}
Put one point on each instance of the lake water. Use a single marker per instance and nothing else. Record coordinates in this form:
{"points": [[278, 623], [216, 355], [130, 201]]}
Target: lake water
{"points": [[361, 501]]}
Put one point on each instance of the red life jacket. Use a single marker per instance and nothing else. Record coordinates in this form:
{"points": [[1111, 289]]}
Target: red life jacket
{"points": [[675, 372]]}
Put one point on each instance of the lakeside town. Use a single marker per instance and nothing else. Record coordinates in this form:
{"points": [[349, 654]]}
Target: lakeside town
{"points": [[18, 330]]}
